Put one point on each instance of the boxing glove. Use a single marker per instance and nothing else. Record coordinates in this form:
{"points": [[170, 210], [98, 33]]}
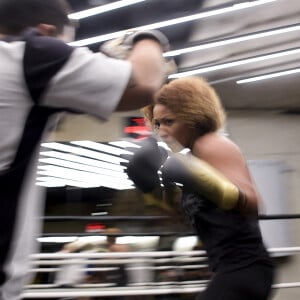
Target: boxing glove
{"points": [[200, 178], [121, 47], [144, 163]]}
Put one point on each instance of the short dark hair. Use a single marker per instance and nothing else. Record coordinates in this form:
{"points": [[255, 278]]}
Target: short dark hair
{"points": [[17, 15]]}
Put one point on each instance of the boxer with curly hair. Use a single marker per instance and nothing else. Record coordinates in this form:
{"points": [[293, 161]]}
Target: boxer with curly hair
{"points": [[218, 194]]}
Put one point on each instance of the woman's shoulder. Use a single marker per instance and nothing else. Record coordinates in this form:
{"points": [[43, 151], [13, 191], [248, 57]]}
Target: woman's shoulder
{"points": [[213, 142]]}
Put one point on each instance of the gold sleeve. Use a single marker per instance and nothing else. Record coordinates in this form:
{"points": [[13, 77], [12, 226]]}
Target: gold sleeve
{"points": [[211, 183]]}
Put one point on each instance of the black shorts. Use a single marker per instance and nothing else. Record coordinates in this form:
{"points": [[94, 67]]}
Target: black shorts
{"points": [[249, 283]]}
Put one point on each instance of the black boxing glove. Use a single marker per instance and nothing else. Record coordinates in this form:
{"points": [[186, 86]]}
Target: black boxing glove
{"points": [[144, 163]]}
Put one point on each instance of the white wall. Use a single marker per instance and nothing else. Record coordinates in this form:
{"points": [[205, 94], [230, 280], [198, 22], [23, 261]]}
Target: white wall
{"points": [[269, 135]]}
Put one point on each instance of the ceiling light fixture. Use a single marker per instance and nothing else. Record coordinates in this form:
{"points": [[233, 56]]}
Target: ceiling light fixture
{"points": [[124, 144], [235, 63], [102, 9], [101, 147], [237, 39], [201, 15], [85, 177], [49, 181], [84, 152], [268, 76], [82, 160], [72, 165], [81, 167], [62, 172]]}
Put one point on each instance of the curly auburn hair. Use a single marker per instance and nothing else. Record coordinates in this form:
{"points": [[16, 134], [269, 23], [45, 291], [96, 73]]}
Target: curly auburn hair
{"points": [[193, 101]]}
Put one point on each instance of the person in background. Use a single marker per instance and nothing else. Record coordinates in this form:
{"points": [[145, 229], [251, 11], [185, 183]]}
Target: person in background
{"points": [[117, 275], [72, 273], [210, 175], [111, 240], [41, 75], [120, 277]]}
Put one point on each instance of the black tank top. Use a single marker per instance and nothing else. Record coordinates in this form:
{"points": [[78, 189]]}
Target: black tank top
{"points": [[230, 239]]}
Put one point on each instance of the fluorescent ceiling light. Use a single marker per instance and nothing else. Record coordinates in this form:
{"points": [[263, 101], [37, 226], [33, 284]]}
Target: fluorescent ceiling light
{"points": [[268, 76], [235, 63], [58, 168], [201, 15], [51, 184], [124, 144], [81, 167], [84, 152], [48, 181], [99, 213], [102, 9], [83, 160], [233, 40], [85, 177], [101, 147], [66, 166], [67, 182]]}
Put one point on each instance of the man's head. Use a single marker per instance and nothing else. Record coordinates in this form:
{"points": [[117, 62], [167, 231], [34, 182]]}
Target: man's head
{"points": [[50, 16], [112, 234]]}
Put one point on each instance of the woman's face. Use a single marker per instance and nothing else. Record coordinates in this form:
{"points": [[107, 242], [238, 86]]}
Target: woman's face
{"points": [[172, 131]]}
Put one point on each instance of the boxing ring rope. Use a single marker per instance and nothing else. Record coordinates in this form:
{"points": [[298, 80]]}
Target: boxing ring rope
{"points": [[40, 291], [102, 218], [125, 291], [164, 260], [135, 218], [148, 218], [142, 254]]}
